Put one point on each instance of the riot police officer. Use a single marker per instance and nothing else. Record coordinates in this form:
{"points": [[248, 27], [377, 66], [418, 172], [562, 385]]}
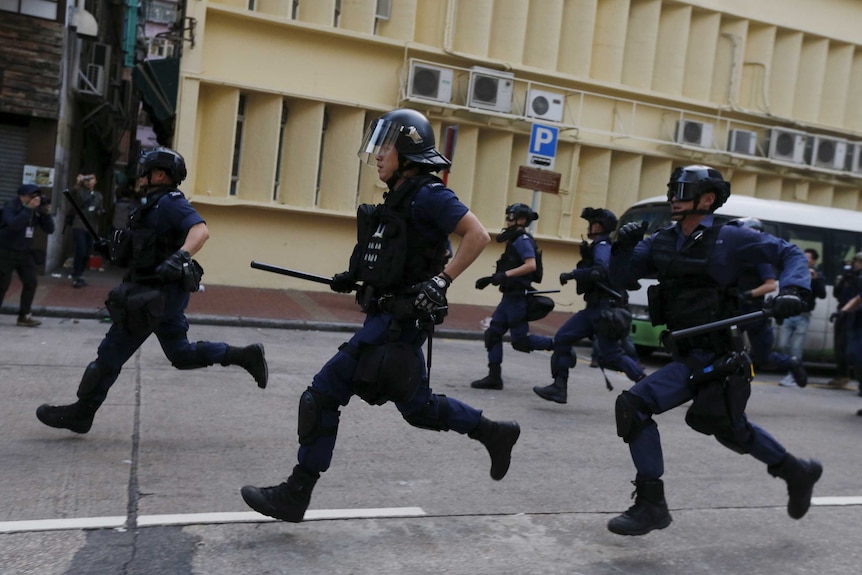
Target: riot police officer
{"points": [[400, 267], [591, 275], [754, 283], [163, 234], [698, 265], [516, 269]]}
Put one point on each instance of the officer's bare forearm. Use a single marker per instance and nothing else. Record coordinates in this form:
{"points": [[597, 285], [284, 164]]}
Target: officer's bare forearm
{"points": [[474, 238], [196, 238]]}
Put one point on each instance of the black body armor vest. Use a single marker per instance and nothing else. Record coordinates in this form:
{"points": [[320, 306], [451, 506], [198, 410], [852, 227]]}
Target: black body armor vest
{"points": [[149, 247], [389, 256], [511, 260], [686, 295]]}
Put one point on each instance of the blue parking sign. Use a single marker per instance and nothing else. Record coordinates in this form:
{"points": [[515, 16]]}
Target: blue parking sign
{"points": [[543, 146]]}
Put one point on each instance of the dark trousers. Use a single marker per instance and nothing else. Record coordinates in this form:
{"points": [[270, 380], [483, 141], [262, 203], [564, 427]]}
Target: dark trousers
{"points": [[118, 346], [83, 249], [511, 316], [21, 262], [840, 331]]}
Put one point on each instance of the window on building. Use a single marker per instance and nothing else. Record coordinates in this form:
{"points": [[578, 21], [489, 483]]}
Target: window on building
{"points": [[237, 145], [320, 156], [277, 188], [162, 12], [46, 9]]}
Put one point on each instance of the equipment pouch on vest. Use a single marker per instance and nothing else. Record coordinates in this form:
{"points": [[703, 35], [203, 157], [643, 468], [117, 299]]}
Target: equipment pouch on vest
{"points": [[191, 278], [144, 248], [614, 323], [384, 250], [719, 405], [136, 308], [392, 371], [538, 306]]}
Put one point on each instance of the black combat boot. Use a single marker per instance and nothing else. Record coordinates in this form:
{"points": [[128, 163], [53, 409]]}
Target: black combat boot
{"points": [[498, 437], [649, 511], [800, 376], [77, 417], [287, 501], [493, 380], [554, 392], [252, 359], [800, 475]]}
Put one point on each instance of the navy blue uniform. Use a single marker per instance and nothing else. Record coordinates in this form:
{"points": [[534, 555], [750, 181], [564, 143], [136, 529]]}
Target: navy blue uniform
{"points": [[511, 313], [16, 240], [582, 324], [761, 335], [735, 248], [171, 218], [434, 213]]}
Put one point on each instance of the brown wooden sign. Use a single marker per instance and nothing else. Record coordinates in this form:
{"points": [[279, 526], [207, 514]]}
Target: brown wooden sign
{"points": [[538, 180]]}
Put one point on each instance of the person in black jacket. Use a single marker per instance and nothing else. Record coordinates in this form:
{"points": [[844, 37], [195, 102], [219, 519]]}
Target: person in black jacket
{"points": [[21, 216]]}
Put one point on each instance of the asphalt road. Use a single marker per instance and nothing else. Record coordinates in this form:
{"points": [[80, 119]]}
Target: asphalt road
{"points": [[154, 487]]}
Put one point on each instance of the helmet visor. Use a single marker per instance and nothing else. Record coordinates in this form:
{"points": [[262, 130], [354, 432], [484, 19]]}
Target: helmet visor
{"points": [[379, 139], [682, 191]]}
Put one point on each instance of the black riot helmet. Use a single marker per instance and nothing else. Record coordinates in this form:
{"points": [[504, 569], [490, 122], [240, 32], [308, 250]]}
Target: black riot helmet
{"points": [[410, 133], [691, 182], [606, 218], [518, 211], [163, 159]]}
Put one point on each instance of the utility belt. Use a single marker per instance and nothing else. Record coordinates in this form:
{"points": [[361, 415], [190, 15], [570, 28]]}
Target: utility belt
{"points": [[137, 308]]}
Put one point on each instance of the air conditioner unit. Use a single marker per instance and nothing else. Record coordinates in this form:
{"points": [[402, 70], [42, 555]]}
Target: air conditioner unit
{"points": [[694, 133], [545, 105], [854, 158], [430, 82], [786, 145], [830, 153], [742, 142], [490, 89], [91, 80]]}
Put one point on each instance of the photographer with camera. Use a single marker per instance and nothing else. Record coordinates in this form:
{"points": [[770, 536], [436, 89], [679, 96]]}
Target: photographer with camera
{"points": [[92, 203], [21, 217]]}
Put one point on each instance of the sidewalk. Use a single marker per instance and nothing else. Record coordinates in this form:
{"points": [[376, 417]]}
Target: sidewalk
{"points": [[247, 307]]}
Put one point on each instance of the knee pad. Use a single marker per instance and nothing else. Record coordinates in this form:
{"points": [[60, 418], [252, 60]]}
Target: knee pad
{"points": [[492, 338], [433, 415], [90, 380], [318, 416], [629, 411], [522, 344]]}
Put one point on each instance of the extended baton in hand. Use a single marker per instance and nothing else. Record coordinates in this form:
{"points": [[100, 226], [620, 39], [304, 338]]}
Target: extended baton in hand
{"points": [[294, 273], [539, 291]]}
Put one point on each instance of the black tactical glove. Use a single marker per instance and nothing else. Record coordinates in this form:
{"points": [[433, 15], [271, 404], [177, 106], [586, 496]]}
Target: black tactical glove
{"points": [[342, 283], [171, 269], [789, 302], [498, 278], [629, 235], [483, 282], [103, 248], [745, 296], [565, 277], [432, 294]]}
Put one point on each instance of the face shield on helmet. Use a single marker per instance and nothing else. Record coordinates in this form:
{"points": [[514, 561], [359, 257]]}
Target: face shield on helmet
{"points": [[688, 184], [410, 133]]}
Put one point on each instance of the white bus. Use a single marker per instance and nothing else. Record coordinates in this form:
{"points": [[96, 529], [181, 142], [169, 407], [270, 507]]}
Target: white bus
{"points": [[836, 234]]}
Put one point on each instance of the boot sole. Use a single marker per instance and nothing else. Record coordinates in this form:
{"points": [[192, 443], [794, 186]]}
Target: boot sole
{"points": [[41, 416], [252, 498], [497, 474], [495, 387], [620, 531]]}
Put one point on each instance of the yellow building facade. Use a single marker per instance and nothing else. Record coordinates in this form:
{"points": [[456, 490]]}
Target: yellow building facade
{"points": [[276, 94]]}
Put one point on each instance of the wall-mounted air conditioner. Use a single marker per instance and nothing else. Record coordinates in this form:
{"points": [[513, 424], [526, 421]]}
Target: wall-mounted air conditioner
{"points": [[854, 158], [786, 145], [693, 133], [742, 142], [545, 105], [490, 89], [91, 80], [430, 82], [830, 153]]}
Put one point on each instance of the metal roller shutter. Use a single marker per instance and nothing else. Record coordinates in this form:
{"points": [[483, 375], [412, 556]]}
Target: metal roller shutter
{"points": [[13, 154]]}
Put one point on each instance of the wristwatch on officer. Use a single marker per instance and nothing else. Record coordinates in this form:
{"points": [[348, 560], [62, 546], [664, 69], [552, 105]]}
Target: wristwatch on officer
{"points": [[441, 281]]}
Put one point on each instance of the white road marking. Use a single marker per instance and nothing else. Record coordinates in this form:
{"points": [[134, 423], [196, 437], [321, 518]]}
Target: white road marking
{"points": [[836, 500], [116, 522]]}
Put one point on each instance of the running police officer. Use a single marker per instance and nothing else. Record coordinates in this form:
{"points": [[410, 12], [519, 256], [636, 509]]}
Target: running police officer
{"points": [[698, 265], [754, 283], [591, 275], [518, 266], [163, 235], [400, 264]]}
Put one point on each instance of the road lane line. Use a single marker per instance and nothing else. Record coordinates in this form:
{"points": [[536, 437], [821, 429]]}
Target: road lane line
{"points": [[200, 519], [836, 500]]}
